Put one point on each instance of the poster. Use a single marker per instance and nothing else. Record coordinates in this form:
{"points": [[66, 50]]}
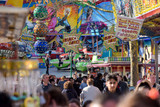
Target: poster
{"points": [[94, 20], [109, 39], [127, 29], [71, 41]]}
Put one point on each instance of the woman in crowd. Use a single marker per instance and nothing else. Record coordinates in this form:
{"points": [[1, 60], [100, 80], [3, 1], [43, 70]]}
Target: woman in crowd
{"points": [[69, 90]]}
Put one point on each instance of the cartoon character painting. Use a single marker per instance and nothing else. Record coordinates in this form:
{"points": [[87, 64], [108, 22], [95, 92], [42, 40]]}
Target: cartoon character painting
{"points": [[64, 23]]}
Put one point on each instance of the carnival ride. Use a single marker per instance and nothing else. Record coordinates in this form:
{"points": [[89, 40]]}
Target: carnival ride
{"points": [[65, 62], [90, 19]]}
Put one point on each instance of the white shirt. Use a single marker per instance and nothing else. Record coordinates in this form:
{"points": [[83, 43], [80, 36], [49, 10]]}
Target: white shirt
{"points": [[89, 93]]}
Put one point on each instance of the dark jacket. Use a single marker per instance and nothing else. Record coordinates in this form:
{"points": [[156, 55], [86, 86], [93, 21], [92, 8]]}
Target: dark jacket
{"points": [[47, 61], [116, 93], [123, 87], [76, 86], [98, 83], [70, 93]]}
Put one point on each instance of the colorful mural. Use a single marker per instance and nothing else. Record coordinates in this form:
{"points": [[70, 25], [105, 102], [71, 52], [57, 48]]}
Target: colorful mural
{"points": [[89, 18]]}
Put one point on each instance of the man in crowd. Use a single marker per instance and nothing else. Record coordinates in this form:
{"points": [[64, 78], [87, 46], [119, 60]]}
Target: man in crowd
{"points": [[98, 82], [47, 64], [111, 85], [90, 92], [79, 79], [45, 85], [83, 84]]}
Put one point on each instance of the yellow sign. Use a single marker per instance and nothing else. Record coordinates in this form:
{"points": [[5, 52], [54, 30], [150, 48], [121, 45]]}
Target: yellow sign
{"points": [[110, 41], [71, 41]]}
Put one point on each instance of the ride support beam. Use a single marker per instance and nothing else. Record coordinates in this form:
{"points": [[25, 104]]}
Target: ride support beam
{"points": [[134, 62]]}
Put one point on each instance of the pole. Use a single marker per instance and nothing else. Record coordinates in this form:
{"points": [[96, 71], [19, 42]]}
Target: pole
{"points": [[92, 43], [134, 62], [156, 61], [97, 45], [71, 63]]}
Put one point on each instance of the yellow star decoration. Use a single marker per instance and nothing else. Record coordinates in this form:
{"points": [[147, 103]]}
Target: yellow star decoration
{"points": [[109, 39], [71, 41]]}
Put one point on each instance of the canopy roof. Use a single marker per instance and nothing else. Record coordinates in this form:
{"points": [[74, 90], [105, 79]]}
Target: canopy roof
{"points": [[151, 26]]}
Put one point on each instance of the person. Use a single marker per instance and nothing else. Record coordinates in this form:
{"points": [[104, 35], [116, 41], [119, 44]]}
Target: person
{"points": [[81, 59], [151, 77], [79, 79], [143, 87], [61, 82], [111, 85], [76, 86], [55, 79], [104, 100], [74, 103], [104, 78], [125, 79], [5, 100], [60, 62], [138, 100], [52, 82], [122, 85], [89, 93], [72, 80], [147, 54], [75, 75], [86, 58], [54, 98], [91, 76], [89, 14], [45, 85], [69, 90], [47, 64], [83, 84], [98, 82]]}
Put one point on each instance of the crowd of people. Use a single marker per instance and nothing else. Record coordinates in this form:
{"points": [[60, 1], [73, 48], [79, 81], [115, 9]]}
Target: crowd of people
{"points": [[103, 90], [107, 90]]}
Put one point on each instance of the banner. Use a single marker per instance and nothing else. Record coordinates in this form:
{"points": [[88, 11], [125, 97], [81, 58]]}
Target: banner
{"points": [[109, 39], [127, 28], [71, 41]]}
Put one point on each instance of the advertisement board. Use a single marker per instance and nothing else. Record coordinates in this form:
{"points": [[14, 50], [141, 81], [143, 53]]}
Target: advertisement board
{"points": [[127, 28]]}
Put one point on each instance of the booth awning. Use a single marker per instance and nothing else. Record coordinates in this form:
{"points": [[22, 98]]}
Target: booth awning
{"points": [[98, 65]]}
